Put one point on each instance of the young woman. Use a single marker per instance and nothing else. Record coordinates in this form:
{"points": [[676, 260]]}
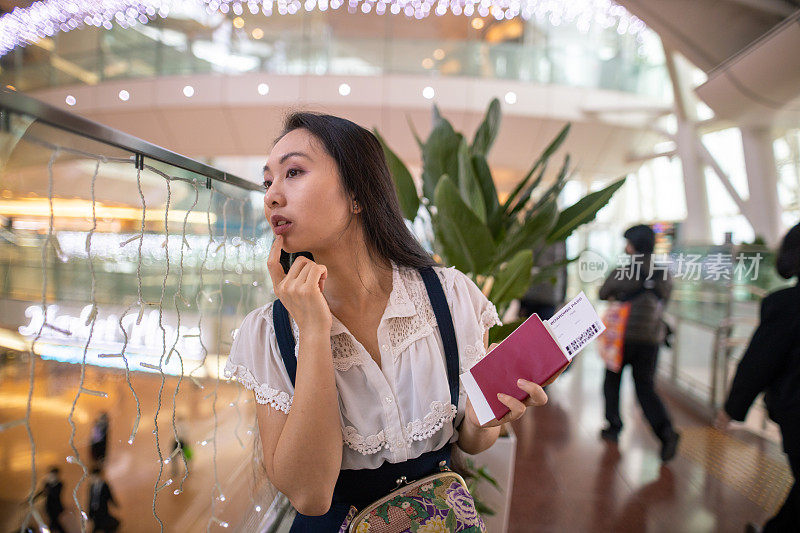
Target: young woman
{"points": [[371, 395]]}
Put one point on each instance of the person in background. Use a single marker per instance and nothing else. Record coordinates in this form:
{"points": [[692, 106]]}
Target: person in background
{"points": [[52, 499], [99, 438], [546, 297], [647, 288], [99, 498], [771, 364]]}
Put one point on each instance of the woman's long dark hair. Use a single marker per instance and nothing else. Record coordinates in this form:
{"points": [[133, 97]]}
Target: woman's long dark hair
{"points": [[365, 177], [788, 261]]}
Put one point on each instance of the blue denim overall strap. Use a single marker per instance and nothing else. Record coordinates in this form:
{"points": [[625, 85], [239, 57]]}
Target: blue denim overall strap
{"points": [[364, 486]]}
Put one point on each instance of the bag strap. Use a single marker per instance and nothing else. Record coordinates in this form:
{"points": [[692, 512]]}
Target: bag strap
{"points": [[643, 289], [286, 343], [445, 322], [433, 285]]}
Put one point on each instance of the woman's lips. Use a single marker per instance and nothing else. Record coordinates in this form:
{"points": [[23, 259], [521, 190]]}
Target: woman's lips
{"points": [[283, 228]]}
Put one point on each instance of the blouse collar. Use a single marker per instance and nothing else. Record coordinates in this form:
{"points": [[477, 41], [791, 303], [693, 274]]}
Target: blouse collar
{"points": [[399, 305]]}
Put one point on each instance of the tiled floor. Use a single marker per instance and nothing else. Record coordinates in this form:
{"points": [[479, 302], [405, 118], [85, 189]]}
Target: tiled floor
{"points": [[567, 479]]}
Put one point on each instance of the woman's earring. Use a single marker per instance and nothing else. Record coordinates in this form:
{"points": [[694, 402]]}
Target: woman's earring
{"points": [[355, 207]]}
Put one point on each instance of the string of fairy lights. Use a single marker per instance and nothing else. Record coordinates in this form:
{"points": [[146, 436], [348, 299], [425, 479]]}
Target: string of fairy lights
{"points": [[45, 18], [239, 255]]}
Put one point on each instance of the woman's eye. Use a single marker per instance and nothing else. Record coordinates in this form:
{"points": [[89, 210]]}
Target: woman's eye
{"points": [[289, 172], [267, 183]]}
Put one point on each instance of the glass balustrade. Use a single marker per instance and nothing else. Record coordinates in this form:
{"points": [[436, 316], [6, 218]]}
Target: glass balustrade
{"points": [[124, 273], [310, 45]]}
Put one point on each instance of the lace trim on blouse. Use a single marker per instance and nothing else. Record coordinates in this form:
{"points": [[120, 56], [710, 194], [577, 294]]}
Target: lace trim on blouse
{"points": [[416, 430], [345, 352], [405, 331], [489, 317], [472, 354], [265, 394]]}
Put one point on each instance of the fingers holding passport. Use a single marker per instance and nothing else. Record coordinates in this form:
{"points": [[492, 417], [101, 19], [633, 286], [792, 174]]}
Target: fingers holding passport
{"points": [[536, 398], [536, 395]]}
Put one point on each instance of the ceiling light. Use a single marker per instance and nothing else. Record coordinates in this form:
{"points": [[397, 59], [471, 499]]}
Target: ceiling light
{"points": [[70, 100], [438, 54], [258, 33], [427, 62], [428, 92], [124, 95], [188, 91], [263, 89], [45, 18], [511, 98], [344, 89]]}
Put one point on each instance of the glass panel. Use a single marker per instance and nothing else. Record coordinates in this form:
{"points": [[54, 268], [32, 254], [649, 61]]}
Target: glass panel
{"points": [[348, 44], [128, 286]]}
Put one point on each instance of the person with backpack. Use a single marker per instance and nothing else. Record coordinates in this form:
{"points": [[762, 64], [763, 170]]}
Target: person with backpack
{"points": [[640, 292]]}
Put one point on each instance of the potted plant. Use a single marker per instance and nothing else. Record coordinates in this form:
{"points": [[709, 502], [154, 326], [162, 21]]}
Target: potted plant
{"points": [[495, 244]]}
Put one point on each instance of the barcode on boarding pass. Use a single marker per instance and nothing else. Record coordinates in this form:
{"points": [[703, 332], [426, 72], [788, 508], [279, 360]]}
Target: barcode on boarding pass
{"points": [[583, 338]]}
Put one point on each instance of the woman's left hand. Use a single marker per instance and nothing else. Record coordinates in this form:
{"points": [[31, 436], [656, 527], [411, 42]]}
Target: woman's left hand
{"points": [[536, 397]]}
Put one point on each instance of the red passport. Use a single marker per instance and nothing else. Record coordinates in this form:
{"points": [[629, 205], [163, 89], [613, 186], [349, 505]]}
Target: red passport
{"points": [[531, 352]]}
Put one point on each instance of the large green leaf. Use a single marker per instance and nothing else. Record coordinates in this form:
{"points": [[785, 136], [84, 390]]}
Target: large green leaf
{"points": [[468, 183], [528, 234], [436, 115], [414, 133], [497, 225], [467, 242], [555, 189], [513, 279], [582, 211], [482, 510], [403, 182], [547, 273], [487, 131], [439, 156], [554, 145], [483, 473], [484, 176], [522, 199], [499, 333]]}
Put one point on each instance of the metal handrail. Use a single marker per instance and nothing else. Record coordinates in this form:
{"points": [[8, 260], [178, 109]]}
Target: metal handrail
{"points": [[15, 102], [279, 511]]}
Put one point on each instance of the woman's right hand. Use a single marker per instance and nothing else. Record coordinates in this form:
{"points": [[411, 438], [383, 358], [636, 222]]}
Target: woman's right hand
{"points": [[300, 291]]}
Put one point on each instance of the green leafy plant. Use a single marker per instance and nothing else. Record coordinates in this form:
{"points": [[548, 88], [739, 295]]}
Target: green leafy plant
{"points": [[495, 243], [473, 476]]}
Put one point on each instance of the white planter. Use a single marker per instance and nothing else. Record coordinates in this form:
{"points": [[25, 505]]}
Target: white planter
{"points": [[499, 463]]}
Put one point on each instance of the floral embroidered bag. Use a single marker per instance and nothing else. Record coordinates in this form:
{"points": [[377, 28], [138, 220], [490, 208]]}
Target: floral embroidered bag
{"points": [[436, 503]]}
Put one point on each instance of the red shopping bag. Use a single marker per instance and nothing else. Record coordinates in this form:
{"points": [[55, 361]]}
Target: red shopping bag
{"points": [[610, 342]]}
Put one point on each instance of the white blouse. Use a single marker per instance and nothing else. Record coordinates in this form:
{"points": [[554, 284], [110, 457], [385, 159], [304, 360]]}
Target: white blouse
{"points": [[394, 412]]}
